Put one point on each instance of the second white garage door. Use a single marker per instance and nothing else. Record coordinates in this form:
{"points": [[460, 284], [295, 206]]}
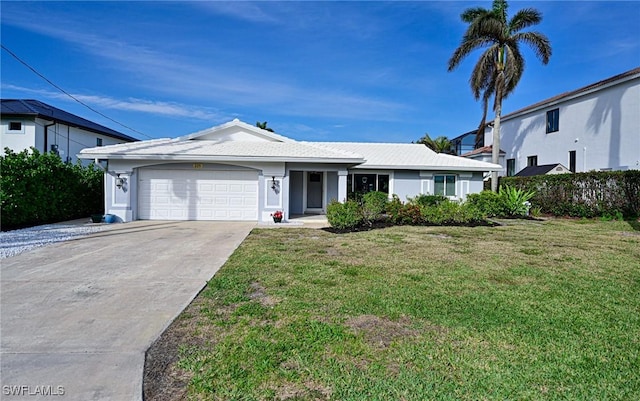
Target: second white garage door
{"points": [[197, 195]]}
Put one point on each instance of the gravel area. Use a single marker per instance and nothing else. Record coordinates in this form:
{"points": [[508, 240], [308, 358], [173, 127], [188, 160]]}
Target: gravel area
{"points": [[17, 241]]}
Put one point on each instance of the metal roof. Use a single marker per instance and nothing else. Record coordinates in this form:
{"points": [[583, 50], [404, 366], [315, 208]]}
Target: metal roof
{"points": [[38, 109], [205, 145], [409, 156]]}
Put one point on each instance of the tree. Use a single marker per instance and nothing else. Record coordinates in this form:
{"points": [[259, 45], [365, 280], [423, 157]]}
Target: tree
{"points": [[440, 144], [263, 126], [500, 67]]}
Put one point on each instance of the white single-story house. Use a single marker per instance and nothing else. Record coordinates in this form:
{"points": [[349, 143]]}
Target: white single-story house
{"points": [[236, 171]]}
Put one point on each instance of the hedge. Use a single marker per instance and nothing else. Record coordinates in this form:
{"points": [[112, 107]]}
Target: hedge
{"points": [[591, 194], [38, 188]]}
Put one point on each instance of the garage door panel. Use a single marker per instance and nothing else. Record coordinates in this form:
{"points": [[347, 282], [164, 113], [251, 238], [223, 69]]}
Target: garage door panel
{"points": [[197, 195]]}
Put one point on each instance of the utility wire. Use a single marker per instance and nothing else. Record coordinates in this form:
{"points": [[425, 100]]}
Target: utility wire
{"points": [[69, 94]]}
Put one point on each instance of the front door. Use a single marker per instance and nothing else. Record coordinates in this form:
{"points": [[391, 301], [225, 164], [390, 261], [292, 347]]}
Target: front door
{"points": [[315, 191]]}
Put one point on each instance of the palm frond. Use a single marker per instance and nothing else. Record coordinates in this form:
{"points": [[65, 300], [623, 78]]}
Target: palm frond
{"points": [[523, 19], [467, 46], [538, 42], [484, 72], [471, 14]]}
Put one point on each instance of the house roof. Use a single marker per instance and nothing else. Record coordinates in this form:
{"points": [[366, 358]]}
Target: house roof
{"points": [[408, 156], [482, 150], [211, 150], [628, 75], [538, 170], [37, 109], [238, 141]]}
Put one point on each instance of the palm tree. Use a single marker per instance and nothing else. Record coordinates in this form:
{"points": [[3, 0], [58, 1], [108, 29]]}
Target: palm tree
{"points": [[263, 126], [440, 144], [500, 66]]}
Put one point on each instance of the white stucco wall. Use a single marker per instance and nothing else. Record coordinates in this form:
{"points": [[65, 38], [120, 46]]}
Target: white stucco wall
{"points": [[17, 140], [602, 127], [70, 140]]}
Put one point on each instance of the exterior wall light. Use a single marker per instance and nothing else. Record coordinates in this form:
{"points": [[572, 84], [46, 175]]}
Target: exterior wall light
{"points": [[120, 182]]}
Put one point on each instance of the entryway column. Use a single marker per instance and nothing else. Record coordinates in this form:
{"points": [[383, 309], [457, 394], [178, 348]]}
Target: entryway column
{"points": [[342, 185]]}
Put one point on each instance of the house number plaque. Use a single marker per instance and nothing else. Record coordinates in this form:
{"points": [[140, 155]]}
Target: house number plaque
{"points": [[197, 165]]}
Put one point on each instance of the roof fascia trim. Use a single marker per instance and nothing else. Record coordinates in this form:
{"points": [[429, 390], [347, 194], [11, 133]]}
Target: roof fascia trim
{"points": [[491, 167], [217, 158]]}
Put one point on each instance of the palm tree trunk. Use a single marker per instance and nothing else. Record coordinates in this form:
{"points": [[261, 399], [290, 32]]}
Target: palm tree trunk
{"points": [[495, 147]]}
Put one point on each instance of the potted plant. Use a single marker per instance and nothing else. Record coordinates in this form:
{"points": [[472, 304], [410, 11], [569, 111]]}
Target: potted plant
{"points": [[277, 216]]}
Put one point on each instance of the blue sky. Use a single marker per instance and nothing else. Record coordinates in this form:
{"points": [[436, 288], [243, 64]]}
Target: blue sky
{"points": [[334, 71]]}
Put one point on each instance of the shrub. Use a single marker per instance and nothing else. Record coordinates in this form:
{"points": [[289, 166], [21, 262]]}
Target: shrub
{"points": [[344, 216], [350, 216], [393, 208], [428, 200], [374, 204], [515, 200], [488, 202], [409, 214], [38, 188], [452, 213]]}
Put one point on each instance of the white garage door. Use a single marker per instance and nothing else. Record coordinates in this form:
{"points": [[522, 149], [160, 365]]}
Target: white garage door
{"points": [[197, 195]]}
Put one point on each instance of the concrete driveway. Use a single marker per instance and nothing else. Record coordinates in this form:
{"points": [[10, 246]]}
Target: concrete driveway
{"points": [[77, 317]]}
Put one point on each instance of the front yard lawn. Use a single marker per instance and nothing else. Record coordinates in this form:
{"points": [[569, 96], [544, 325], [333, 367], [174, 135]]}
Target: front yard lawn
{"points": [[529, 310]]}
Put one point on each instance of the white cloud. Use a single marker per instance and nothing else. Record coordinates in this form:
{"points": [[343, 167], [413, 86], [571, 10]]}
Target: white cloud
{"points": [[167, 109], [247, 11], [208, 76]]}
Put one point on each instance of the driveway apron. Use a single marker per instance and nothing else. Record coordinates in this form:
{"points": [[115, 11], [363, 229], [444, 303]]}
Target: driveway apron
{"points": [[77, 317]]}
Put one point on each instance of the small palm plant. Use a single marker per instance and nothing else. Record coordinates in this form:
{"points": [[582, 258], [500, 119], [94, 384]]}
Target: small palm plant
{"points": [[516, 201]]}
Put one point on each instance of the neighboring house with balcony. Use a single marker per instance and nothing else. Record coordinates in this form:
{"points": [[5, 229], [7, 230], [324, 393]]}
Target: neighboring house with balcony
{"points": [[30, 123], [594, 128]]}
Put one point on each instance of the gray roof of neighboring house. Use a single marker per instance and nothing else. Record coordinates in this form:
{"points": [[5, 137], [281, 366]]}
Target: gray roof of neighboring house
{"points": [[36, 108], [537, 170]]}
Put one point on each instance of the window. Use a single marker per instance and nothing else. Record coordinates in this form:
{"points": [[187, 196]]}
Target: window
{"points": [[15, 126], [383, 183], [553, 120], [572, 161], [444, 185], [511, 167], [363, 183], [532, 161], [98, 141]]}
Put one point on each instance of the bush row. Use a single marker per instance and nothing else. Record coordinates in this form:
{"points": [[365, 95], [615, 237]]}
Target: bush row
{"points": [[591, 194], [38, 188], [374, 208]]}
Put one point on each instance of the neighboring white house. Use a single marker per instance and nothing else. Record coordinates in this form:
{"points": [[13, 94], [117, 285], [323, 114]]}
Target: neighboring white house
{"points": [[31, 123], [237, 171], [596, 127]]}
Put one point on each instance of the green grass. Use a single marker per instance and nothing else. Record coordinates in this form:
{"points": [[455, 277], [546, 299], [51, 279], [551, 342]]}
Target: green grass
{"points": [[530, 310]]}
